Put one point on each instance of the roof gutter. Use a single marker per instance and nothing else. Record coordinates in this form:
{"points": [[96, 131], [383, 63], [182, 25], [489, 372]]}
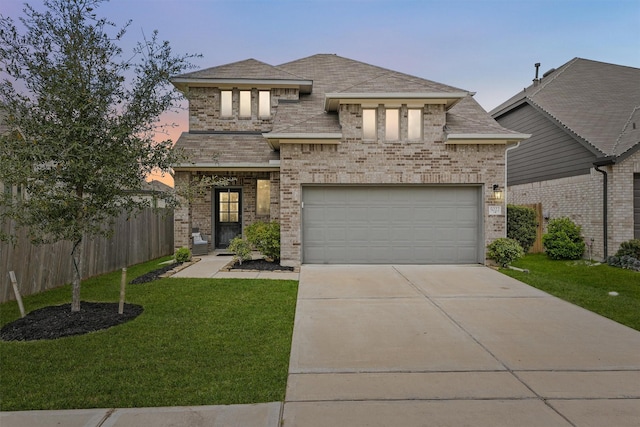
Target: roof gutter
{"points": [[605, 161]]}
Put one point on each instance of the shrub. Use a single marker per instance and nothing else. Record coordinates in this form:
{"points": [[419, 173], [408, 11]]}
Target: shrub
{"points": [[563, 240], [630, 248], [182, 255], [625, 261], [265, 237], [522, 225], [241, 248], [504, 251]]}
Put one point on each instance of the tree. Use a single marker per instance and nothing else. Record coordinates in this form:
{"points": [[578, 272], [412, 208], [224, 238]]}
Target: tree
{"points": [[82, 122]]}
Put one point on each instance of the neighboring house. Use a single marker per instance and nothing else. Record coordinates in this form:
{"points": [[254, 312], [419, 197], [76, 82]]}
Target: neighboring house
{"points": [[358, 163], [584, 118]]}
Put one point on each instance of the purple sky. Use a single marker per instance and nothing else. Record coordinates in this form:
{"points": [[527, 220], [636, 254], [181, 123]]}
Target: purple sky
{"points": [[485, 46]]}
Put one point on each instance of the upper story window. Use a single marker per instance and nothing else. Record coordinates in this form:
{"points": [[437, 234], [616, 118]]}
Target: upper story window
{"points": [[414, 123], [245, 103], [369, 123], [264, 103], [226, 104], [392, 124]]}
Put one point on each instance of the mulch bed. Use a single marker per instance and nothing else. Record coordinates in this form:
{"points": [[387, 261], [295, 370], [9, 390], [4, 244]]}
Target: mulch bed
{"points": [[155, 274], [57, 321], [260, 264]]}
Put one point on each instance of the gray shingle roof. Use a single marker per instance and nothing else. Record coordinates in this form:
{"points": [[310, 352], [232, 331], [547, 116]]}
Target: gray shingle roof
{"points": [[247, 69], [594, 100], [226, 149]]}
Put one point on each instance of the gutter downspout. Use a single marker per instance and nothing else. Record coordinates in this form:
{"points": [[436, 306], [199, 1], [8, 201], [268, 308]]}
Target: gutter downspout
{"points": [[605, 210], [506, 152]]}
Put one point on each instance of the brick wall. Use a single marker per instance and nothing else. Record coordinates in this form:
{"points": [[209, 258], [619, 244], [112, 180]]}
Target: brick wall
{"points": [[199, 213], [580, 198], [355, 161], [204, 110]]}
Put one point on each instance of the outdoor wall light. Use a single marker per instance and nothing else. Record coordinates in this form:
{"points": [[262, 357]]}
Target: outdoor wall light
{"points": [[497, 192]]}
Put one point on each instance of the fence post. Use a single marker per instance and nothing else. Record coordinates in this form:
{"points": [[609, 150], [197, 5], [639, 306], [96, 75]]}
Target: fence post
{"points": [[16, 291], [123, 282]]}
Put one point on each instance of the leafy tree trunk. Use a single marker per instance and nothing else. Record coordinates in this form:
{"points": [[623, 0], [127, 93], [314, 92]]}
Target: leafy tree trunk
{"points": [[76, 254]]}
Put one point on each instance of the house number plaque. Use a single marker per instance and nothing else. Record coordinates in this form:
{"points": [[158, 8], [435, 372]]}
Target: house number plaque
{"points": [[495, 210]]}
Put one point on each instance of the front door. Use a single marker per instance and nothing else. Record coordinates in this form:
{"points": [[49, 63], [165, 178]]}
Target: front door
{"points": [[228, 215]]}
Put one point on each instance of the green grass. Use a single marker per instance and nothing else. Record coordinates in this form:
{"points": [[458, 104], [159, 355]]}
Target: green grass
{"points": [[585, 285], [198, 342]]}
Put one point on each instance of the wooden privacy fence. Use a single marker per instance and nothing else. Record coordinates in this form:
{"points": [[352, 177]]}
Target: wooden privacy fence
{"points": [[37, 268], [537, 247]]}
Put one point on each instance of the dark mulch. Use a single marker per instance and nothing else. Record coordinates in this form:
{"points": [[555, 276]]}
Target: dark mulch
{"points": [[57, 321], [260, 264], [155, 274]]}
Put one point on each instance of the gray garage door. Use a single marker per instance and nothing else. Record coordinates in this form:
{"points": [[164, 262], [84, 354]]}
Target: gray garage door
{"points": [[391, 224]]}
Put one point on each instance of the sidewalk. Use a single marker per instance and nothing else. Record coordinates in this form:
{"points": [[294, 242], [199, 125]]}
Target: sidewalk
{"points": [[210, 265]]}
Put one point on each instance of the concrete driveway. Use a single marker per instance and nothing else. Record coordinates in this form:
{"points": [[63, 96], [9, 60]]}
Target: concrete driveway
{"points": [[453, 346]]}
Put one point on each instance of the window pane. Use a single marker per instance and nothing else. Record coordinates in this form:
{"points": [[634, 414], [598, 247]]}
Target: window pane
{"points": [[224, 197], [415, 124], [392, 124], [245, 103], [224, 217], [264, 103], [263, 197], [233, 217], [233, 196], [369, 124], [233, 207], [225, 103]]}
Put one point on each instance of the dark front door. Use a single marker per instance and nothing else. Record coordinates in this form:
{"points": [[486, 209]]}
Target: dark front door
{"points": [[228, 215]]}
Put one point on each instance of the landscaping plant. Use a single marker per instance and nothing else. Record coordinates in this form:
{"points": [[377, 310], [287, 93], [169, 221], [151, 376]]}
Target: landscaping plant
{"points": [[563, 240], [522, 225], [504, 251], [265, 237], [182, 255], [628, 256], [241, 248]]}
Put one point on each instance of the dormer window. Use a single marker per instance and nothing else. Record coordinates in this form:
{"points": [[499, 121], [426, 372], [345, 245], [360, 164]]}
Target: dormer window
{"points": [[264, 103], [226, 103], [414, 123], [392, 124], [369, 123], [245, 103]]}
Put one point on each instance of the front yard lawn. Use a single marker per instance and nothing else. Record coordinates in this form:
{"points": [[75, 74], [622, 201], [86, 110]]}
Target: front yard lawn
{"points": [[585, 285], [198, 342]]}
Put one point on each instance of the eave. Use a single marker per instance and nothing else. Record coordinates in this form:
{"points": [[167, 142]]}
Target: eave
{"points": [[484, 138], [272, 166], [184, 83], [411, 99], [276, 139]]}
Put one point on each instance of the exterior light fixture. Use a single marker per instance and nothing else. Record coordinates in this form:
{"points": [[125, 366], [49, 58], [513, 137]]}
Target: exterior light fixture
{"points": [[497, 192]]}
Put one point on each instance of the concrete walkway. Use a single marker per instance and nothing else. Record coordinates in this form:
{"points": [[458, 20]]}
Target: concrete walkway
{"points": [[453, 346], [421, 345]]}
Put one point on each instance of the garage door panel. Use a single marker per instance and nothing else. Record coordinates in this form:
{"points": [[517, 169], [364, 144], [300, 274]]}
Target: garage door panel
{"points": [[391, 224]]}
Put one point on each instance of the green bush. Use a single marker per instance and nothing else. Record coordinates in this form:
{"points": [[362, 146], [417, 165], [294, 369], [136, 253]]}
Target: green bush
{"points": [[625, 261], [522, 225], [563, 240], [182, 255], [504, 251], [630, 248], [241, 248], [265, 237]]}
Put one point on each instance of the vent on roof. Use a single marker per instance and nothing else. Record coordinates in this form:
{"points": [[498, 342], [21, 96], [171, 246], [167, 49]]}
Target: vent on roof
{"points": [[548, 73], [536, 80]]}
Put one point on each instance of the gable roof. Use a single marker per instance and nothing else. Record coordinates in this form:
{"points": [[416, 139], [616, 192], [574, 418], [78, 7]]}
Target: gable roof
{"points": [[250, 71], [598, 103]]}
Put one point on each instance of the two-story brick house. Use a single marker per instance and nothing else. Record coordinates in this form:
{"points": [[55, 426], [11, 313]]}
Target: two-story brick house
{"points": [[358, 163]]}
